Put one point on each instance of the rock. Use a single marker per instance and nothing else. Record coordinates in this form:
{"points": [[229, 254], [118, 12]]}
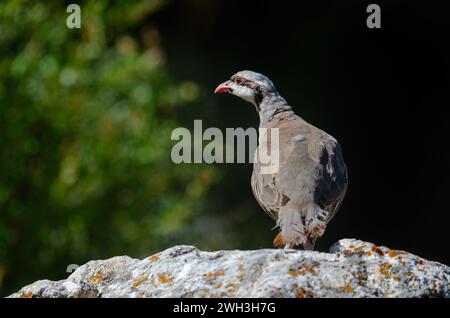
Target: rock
{"points": [[352, 269]]}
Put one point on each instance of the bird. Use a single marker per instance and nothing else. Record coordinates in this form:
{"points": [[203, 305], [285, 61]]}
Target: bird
{"points": [[310, 182]]}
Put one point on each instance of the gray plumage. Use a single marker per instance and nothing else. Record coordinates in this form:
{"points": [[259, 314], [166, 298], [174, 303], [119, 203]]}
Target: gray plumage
{"points": [[306, 191]]}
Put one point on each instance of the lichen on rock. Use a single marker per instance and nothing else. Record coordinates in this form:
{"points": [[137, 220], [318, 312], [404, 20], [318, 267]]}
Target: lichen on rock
{"points": [[352, 268]]}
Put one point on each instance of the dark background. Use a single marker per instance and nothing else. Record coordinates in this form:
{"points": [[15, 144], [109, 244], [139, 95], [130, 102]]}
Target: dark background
{"points": [[383, 93], [85, 164]]}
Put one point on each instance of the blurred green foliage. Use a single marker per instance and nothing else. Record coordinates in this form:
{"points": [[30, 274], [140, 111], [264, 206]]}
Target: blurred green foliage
{"points": [[85, 122]]}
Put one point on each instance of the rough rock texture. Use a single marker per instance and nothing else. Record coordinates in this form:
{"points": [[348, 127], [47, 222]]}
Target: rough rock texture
{"points": [[352, 269]]}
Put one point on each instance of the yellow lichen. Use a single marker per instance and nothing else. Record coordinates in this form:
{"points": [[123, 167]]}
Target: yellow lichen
{"points": [[309, 269], [359, 248], [215, 274], [301, 293], [26, 295], [165, 278], [361, 276], [97, 278], [154, 258], [386, 269], [347, 288], [377, 250], [394, 253], [140, 281]]}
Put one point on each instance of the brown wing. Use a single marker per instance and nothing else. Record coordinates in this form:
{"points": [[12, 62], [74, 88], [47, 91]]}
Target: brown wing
{"points": [[332, 181], [302, 146], [266, 194]]}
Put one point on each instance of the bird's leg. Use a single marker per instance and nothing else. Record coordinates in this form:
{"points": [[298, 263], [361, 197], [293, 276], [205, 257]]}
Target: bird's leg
{"points": [[309, 245], [291, 225], [278, 241], [315, 221]]}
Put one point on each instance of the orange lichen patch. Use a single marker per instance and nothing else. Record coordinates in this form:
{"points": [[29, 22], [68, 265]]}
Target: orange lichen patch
{"points": [[154, 258], [97, 278], [26, 295], [140, 281], [309, 269], [394, 253], [361, 276], [165, 278], [347, 288], [348, 251], [352, 249], [377, 250], [359, 248], [218, 285], [315, 264], [210, 277], [361, 283], [293, 273], [369, 253], [215, 274], [386, 269], [301, 293]]}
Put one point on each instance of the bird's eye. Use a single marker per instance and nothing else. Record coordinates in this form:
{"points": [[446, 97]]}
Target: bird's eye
{"points": [[239, 80]]}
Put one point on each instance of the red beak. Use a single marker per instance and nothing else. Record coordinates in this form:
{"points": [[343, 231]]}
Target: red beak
{"points": [[223, 88]]}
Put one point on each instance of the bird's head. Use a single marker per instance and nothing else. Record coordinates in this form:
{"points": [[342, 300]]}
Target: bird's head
{"points": [[248, 85]]}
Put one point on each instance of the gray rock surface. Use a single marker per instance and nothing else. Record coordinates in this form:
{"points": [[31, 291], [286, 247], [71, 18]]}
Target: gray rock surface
{"points": [[352, 269]]}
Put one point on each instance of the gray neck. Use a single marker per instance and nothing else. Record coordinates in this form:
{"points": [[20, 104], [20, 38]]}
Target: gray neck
{"points": [[271, 105]]}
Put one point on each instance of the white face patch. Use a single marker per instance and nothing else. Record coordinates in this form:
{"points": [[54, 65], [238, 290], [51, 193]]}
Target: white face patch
{"points": [[243, 92], [298, 137]]}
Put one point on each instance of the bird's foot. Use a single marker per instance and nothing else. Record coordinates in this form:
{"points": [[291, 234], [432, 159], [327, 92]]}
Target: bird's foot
{"points": [[278, 241], [292, 230], [315, 228], [287, 247]]}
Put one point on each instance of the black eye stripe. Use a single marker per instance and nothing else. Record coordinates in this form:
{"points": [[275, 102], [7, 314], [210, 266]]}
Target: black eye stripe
{"points": [[245, 82]]}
